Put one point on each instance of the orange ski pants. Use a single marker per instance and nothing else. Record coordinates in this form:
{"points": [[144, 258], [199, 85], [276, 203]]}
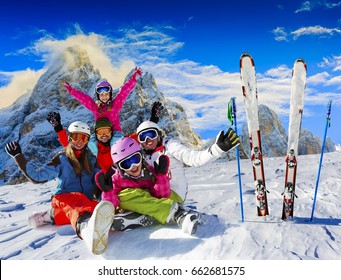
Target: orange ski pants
{"points": [[69, 206]]}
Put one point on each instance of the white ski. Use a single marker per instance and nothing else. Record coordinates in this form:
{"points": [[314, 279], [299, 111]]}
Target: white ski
{"points": [[298, 85], [249, 88]]}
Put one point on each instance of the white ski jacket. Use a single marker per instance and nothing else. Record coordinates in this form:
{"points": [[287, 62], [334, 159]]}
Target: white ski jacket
{"points": [[180, 156]]}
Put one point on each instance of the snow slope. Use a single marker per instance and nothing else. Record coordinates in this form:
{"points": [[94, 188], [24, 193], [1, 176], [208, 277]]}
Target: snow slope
{"points": [[213, 189], [221, 242]]}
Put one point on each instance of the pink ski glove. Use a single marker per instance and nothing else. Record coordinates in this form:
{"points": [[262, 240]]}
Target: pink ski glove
{"points": [[67, 86], [138, 73]]}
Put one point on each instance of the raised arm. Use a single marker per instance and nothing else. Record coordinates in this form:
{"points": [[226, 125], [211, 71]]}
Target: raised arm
{"points": [[224, 142], [156, 112], [42, 175], [126, 89], [54, 119], [83, 98]]}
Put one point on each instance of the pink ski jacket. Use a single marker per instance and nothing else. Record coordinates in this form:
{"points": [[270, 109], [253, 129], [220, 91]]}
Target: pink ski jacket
{"points": [[158, 185], [111, 111]]}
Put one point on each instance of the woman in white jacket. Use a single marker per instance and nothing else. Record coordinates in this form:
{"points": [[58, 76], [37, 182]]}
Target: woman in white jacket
{"points": [[153, 144]]}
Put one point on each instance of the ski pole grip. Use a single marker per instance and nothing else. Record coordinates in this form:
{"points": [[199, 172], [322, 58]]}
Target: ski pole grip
{"points": [[329, 109], [234, 108]]}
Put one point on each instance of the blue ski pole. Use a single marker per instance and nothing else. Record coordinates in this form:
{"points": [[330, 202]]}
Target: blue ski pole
{"points": [[321, 158], [232, 117]]}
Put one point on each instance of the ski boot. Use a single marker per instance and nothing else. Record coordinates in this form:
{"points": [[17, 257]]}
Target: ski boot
{"points": [[131, 220], [201, 217], [186, 219], [94, 229], [41, 218]]}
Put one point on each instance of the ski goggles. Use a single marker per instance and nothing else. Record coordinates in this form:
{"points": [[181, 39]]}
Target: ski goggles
{"points": [[78, 136], [150, 134], [129, 162], [101, 90], [103, 131]]}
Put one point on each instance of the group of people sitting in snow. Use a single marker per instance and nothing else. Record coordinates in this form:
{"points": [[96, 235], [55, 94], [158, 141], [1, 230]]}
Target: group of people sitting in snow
{"points": [[108, 180]]}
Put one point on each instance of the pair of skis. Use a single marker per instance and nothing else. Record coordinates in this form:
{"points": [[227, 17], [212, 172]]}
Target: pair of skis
{"points": [[249, 88]]}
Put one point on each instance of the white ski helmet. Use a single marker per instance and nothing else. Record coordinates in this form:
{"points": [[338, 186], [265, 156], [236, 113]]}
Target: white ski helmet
{"points": [[79, 126], [147, 125]]}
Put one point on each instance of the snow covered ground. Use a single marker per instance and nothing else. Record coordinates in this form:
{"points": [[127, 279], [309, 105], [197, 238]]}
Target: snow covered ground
{"points": [[214, 189]]}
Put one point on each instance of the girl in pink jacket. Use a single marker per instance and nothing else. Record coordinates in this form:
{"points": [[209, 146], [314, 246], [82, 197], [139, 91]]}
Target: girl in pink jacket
{"points": [[132, 172], [106, 106], [138, 187]]}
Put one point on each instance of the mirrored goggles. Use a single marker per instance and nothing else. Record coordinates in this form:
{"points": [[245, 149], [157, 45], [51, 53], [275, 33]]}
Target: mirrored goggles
{"points": [[78, 136], [103, 131], [101, 90], [129, 162], [150, 133]]}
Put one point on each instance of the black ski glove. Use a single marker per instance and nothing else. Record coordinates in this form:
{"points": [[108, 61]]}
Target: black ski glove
{"points": [[227, 141], [162, 167], [104, 181], [156, 112], [54, 119], [13, 149]]}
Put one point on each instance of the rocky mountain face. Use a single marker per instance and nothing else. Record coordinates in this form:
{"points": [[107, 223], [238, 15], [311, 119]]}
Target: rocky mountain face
{"points": [[173, 121], [274, 137], [310, 144], [25, 121], [273, 134]]}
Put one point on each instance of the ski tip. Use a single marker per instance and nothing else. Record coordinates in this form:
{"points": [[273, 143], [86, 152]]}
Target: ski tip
{"points": [[247, 56], [301, 60]]}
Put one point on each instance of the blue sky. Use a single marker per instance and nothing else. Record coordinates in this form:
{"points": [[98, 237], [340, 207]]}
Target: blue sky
{"points": [[191, 47]]}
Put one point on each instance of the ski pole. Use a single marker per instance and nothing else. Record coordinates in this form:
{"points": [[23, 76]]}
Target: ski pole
{"points": [[321, 157], [232, 116]]}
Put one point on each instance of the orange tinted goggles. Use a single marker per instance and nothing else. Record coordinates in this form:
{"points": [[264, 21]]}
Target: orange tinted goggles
{"points": [[78, 136], [103, 131]]}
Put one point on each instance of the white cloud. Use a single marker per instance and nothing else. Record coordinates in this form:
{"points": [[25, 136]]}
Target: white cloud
{"points": [[305, 6], [280, 34], [333, 62], [203, 91], [319, 79], [308, 6], [20, 83], [322, 32], [315, 30]]}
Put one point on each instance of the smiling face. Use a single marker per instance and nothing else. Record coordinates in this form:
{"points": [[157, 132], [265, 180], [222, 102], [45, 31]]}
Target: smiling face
{"points": [[79, 145], [103, 134], [150, 145], [132, 164], [148, 138], [79, 140], [104, 97], [135, 171]]}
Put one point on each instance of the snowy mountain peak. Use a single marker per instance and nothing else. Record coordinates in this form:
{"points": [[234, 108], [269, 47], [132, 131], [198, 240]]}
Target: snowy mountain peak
{"points": [[25, 121]]}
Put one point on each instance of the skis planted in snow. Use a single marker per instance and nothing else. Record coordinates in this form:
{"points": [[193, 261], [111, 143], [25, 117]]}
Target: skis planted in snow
{"points": [[249, 88], [298, 85]]}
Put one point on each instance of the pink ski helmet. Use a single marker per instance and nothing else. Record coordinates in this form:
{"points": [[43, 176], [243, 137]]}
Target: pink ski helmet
{"points": [[123, 148]]}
